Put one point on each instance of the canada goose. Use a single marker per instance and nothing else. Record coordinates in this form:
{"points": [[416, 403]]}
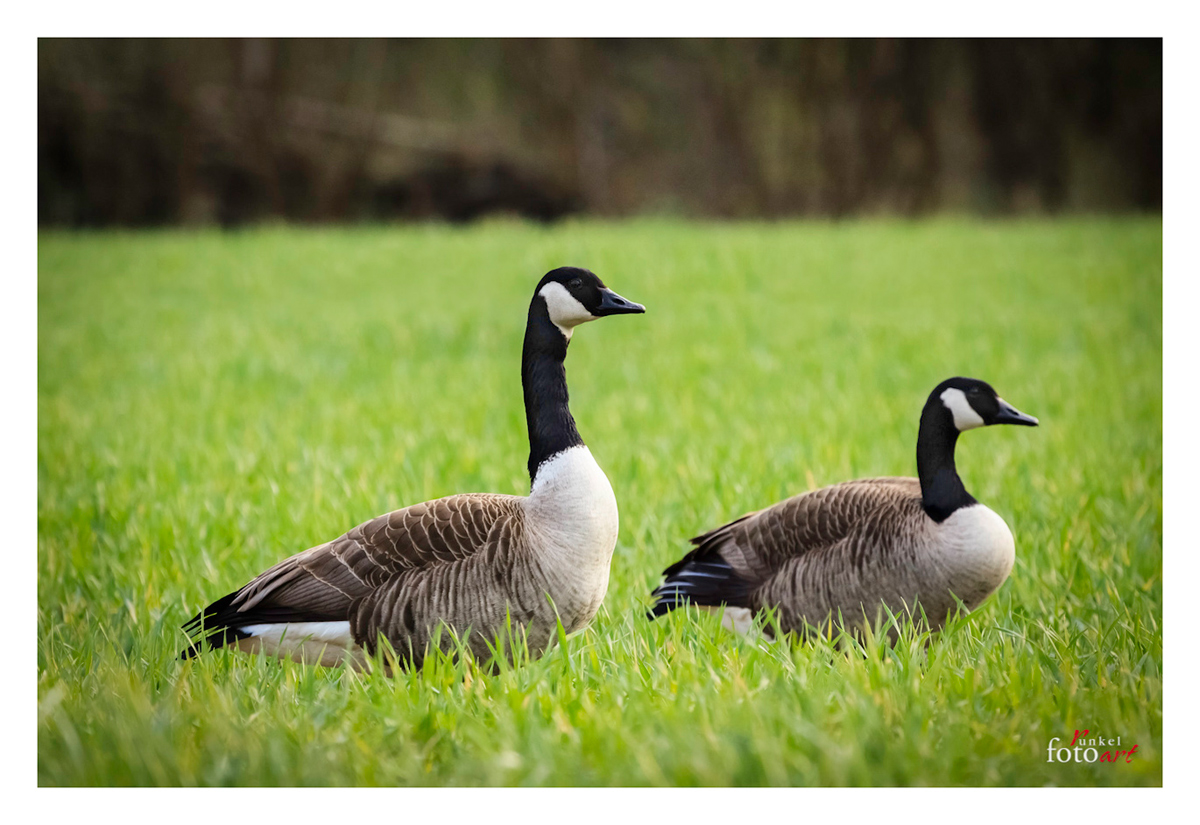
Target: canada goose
{"points": [[469, 561], [852, 546]]}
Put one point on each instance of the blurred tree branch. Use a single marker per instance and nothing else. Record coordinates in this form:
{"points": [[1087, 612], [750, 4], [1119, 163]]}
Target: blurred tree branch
{"points": [[134, 132]]}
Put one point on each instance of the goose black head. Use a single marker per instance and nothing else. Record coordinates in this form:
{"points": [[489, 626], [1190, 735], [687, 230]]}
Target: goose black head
{"points": [[575, 296], [973, 403]]}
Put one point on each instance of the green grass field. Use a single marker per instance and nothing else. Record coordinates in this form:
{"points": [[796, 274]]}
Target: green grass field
{"points": [[209, 403]]}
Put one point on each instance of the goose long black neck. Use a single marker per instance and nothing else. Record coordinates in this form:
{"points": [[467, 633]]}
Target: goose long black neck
{"points": [[942, 491], [544, 379]]}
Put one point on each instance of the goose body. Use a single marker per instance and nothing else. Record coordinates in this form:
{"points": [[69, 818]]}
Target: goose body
{"points": [[469, 562], [852, 547]]}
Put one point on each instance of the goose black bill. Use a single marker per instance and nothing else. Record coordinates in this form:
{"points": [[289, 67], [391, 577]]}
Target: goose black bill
{"points": [[613, 304]]}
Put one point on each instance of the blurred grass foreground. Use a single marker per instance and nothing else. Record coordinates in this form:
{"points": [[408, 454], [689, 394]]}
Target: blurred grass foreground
{"points": [[210, 402]]}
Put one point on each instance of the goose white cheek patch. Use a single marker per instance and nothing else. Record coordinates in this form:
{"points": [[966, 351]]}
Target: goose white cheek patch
{"points": [[965, 417], [565, 310]]}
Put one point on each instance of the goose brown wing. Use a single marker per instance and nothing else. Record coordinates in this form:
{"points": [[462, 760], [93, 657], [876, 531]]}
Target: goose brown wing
{"points": [[730, 562], [757, 544], [322, 583]]}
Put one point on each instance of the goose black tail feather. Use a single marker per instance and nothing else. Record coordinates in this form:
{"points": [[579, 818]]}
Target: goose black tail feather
{"points": [[219, 623], [214, 640], [703, 576], [211, 625], [707, 581]]}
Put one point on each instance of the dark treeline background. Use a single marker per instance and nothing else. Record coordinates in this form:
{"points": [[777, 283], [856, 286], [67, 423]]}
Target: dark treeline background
{"points": [[150, 132]]}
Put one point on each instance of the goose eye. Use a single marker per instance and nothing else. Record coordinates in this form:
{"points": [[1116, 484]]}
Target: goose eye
{"points": [[575, 283]]}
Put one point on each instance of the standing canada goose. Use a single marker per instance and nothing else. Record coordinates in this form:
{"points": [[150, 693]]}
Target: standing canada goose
{"points": [[852, 546], [469, 561]]}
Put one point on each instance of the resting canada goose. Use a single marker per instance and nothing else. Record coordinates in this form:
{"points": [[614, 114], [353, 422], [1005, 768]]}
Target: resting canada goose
{"points": [[852, 546], [469, 561]]}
